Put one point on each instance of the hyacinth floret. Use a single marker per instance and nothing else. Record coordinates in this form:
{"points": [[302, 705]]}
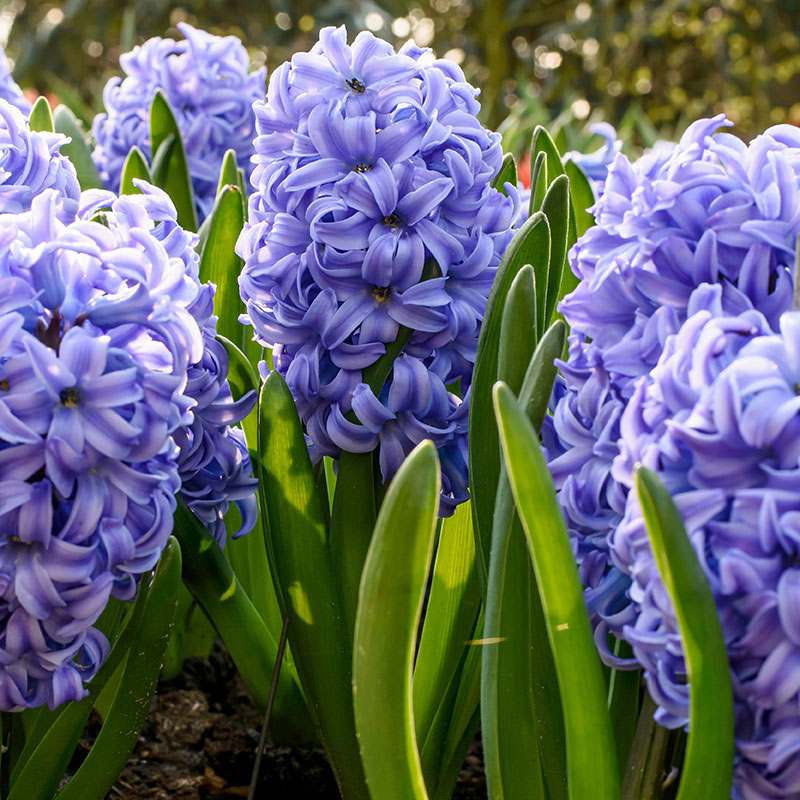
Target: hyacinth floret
{"points": [[30, 163], [674, 363], [101, 336], [206, 81], [719, 420], [374, 220], [9, 89], [595, 165]]}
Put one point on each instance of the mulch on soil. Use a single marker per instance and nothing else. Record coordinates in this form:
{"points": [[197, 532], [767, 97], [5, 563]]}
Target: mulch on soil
{"points": [[200, 739]]}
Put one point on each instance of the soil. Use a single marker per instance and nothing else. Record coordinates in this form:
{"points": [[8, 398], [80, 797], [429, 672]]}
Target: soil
{"points": [[200, 739]]}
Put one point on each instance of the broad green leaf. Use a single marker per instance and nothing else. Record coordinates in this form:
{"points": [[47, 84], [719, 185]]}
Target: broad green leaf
{"points": [[228, 172], [121, 728], [389, 608], [518, 328], [172, 174], [242, 378], [134, 168], [708, 766], [449, 619], [209, 577], [41, 118], [591, 758], [623, 704], [192, 636], [76, 150], [645, 770], [543, 143], [581, 196], [301, 563], [220, 265], [539, 183], [352, 524], [537, 385], [557, 209], [531, 245], [508, 720], [507, 174]]}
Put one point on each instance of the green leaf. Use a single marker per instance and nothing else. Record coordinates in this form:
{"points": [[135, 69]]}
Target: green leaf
{"points": [[518, 329], [531, 245], [228, 172], [352, 524], [591, 759], [508, 719], [220, 265], [708, 766], [449, 619], [121, 728], [556, 209], [537, 385], [242, 378], [41, 118], [193, 636], [507, 174], [389, 608], [301, 563], [539, 183], [209, 577], [623, 704], [135, 167], [76, 150], [543, 143], [171, 172], [48, 750], [581, 196]]}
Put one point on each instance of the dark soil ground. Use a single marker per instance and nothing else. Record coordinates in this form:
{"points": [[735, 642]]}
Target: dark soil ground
{"points": [[200, 739]]}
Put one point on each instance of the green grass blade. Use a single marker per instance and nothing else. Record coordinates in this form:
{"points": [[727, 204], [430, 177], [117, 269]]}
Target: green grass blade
{"points": [[591, 759], [389, 608], [556, 209], [531, 245], [76, 150], [708, 765], [173, 175], [220, 265], [450, 617], [120, 731], [41, 118], [507, 174], [135, 167], [301, 561], [581, 197]]}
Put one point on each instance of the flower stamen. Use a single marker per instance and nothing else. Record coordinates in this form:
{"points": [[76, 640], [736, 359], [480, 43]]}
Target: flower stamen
{"points": [[355, 86], [70, 397], [381, 293], [362, 167], [392, 221]]}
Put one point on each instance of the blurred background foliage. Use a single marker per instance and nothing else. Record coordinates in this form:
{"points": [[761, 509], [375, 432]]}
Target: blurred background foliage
{"points": [[646, 67]]}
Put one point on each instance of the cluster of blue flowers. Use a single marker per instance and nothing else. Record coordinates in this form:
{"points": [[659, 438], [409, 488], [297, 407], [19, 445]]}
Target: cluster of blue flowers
{"points": [[205, 79], [373, 218], [683, 357], [113, 401], [9, 90]]}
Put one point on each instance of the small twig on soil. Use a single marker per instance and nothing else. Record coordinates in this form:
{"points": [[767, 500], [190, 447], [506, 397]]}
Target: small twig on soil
{"points": [[270, 700]]}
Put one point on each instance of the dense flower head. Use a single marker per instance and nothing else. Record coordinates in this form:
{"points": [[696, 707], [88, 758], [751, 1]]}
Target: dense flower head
{"points": [[9, 90], [205, 79], [103, 331], [373, 219], [675, 362], [30, 162], [719, 420]]}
